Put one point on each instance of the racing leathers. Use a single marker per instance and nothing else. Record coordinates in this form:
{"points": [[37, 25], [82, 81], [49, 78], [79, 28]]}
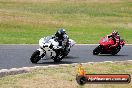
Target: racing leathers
{"points": [[116, 40], [63, 40]]}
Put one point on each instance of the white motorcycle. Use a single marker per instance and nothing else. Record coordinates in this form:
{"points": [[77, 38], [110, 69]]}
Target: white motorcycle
{"points": [[49, 47]]}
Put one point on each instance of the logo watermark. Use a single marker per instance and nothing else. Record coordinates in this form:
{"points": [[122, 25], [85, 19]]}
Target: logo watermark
{"points": [[83, 78]]}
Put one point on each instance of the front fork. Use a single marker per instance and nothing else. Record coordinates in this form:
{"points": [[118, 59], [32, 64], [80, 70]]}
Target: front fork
{"points": [[42, 52]]}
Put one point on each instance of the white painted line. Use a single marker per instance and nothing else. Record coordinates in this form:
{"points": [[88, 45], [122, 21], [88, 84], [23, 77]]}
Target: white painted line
{"points": [[128, 44], [64, 64], [45, 66], [129, 60], [91, 62], [13, 69], [3, 70], [108, 61], [53, 65], [100, 62], [83, 63], [75, 63]]}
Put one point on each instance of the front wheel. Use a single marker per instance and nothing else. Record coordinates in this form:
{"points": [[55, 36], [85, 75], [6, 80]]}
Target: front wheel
{"points": [[35, 57], [96, 51]]}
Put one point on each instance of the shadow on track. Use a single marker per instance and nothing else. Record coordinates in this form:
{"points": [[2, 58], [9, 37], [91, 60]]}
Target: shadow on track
{"points": [[70, 57], [111, 55], [56, 63], [51, 62]]}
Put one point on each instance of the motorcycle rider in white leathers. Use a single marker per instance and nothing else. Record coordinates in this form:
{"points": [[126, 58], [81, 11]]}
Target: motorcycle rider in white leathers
{"points": [[62, 38]]}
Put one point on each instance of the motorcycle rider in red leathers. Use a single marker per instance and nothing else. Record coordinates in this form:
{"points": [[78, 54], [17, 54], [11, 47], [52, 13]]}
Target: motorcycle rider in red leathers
{"points": [[116, 37]]}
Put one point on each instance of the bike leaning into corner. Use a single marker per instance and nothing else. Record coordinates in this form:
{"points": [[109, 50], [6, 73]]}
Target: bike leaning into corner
{"points": [[110, 44], [50, 47]]}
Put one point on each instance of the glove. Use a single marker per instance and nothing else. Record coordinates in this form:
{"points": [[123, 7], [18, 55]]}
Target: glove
{"points": [[109, 47]]}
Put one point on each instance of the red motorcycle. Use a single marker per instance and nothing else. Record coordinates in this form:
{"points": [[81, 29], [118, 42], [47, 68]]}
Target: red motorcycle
{"points": [[104, 46]]}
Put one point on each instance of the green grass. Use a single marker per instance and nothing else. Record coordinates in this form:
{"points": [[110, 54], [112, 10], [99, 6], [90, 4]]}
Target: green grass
{"points": [[64, 76], [86, 21]]}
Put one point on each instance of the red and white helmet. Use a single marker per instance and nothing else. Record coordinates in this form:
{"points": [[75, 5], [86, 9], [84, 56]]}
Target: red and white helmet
{"points": [[114, 33]]}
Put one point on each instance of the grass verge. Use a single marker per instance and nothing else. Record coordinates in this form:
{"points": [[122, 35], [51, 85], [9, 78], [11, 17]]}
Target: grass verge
{"points": [[64, 76], [86, 21]]}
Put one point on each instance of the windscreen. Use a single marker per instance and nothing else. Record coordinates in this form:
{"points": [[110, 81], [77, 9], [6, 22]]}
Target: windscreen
{"points": [[105, 39], [46, 39]]}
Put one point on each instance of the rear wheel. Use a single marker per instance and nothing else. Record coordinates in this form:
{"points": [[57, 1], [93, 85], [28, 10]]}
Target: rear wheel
{"points": [[66, 52], [58, 58], [96, 51], [116, 50], [35, 56]]}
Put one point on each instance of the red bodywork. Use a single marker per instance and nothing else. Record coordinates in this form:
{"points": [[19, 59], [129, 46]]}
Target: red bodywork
{"points": [[106, 42]]}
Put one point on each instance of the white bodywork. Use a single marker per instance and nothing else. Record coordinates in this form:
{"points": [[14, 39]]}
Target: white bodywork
{"points": [[46, 42]]}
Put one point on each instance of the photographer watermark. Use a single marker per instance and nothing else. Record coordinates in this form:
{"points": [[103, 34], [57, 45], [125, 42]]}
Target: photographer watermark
{"points": [[83, 78]]}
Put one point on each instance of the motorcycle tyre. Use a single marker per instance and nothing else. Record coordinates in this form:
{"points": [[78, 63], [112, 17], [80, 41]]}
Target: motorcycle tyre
{"points": [[35, 57]]}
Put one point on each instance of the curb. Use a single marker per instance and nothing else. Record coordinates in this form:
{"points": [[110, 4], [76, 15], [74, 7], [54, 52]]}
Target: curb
{"points": [[14, 71]]}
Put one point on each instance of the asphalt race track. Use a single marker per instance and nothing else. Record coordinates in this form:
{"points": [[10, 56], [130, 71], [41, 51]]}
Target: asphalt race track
{"points": [[17, 56]]}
